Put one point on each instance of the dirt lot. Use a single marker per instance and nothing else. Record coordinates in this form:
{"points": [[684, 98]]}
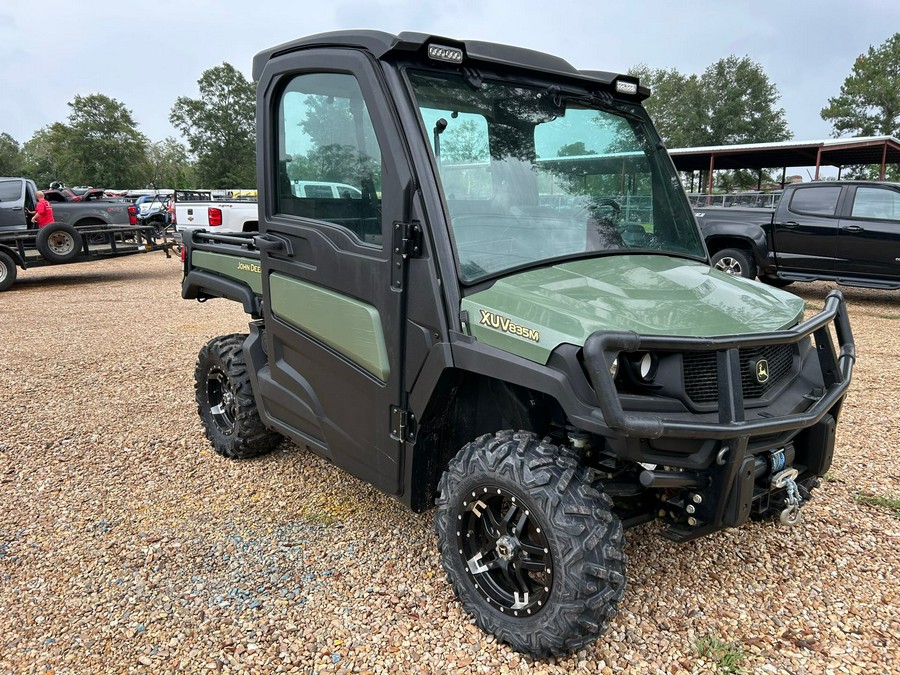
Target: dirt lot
{"points": [[126, 544]]}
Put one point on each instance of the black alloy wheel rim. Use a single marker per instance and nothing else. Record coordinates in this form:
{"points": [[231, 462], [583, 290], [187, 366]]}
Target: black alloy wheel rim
{"points": [[505, 551], [221, 400]]}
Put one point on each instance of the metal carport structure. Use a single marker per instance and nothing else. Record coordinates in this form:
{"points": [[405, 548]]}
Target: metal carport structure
{"points": [[836, 152]]}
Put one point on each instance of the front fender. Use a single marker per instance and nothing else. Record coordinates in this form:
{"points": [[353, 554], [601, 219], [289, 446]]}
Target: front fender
{"points": [[721, 234]]}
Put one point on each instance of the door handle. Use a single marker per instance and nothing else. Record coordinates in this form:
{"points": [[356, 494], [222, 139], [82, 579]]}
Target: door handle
{"points": [[791, 224], [16, 208], [264, 243], [853, 228]]}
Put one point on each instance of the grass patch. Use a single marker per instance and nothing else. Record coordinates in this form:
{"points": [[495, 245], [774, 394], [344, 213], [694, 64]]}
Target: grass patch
{"points": [[889, 316], [882, 502], [728, 656]]}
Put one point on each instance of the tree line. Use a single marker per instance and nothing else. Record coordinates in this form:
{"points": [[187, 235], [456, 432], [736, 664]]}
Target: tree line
{"points": [[731, 101]]}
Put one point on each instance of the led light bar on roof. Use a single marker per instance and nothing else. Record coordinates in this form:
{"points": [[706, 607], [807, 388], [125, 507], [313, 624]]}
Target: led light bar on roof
{"points": [[624, 87], [444, 53]]}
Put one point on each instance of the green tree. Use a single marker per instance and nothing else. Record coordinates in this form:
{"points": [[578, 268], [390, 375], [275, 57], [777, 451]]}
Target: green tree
{"points": [[676, 105], [739, 104], [465, 142], [102, 146], [577, 149], [10, 156], [43, 155], [328, 120], [731, 102], [220, 128], [169, 166], [869, 101]]}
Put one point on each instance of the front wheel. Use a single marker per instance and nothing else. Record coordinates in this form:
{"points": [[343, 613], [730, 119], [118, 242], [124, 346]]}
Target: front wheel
{"points": [[225, 401], [531, 547], [735, 262]]}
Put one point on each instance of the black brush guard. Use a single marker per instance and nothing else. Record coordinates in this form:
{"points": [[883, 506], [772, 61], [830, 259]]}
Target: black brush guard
{"points": [[727, 492]]}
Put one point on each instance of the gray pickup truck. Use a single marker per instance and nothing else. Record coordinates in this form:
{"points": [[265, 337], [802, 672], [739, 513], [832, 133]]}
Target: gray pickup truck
{"points": [[81, 232], [17, 197], [842, 231]]}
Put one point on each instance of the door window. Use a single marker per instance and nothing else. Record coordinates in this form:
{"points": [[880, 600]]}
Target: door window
{"points": [[10, 190], [329, 162], [822, 201], [877, 203]]}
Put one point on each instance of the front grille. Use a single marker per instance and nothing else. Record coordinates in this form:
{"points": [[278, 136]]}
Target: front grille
{"points": [[701, 381]]}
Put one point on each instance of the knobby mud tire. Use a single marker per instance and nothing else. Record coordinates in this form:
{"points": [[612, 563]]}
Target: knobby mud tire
{"points": [[537, 498], [225, 401]]}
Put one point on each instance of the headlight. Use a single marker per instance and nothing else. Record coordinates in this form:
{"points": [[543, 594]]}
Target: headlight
{"points": [[642, 367], [646, 367]]}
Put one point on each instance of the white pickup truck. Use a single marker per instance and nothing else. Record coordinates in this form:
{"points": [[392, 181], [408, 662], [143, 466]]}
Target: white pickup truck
{"points": [[197, 210]]}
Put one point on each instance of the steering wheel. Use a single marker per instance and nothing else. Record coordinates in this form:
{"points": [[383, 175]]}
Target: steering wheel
{"points": [[613, 207]]}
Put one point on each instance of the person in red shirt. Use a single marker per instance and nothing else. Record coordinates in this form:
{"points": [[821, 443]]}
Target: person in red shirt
{"points": [[43, 213]]}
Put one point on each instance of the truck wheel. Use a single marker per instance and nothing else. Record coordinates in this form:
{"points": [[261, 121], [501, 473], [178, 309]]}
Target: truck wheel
{"points": [[532, 549], [58, 242], [8, 271], [734, 261], [225, 401]]}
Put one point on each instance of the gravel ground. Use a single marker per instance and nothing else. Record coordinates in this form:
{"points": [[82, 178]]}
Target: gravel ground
{"points": [[126, 544]]}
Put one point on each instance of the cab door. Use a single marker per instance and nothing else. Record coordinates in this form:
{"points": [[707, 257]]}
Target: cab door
{"points": [[12, 204], [869, 238], [805, 230], [333, 306]]}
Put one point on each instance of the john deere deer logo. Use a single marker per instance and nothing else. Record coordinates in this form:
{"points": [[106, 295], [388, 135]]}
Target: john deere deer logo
{"points": [[762, 371]]}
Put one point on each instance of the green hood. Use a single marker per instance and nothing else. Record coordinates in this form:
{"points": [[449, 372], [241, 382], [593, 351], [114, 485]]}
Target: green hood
{"points": [[533, 312]]}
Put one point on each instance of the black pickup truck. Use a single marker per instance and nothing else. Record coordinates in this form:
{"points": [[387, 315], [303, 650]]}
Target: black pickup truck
{"points": [[842, 231]]}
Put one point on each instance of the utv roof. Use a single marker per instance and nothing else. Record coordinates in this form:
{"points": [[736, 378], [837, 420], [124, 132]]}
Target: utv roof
{"points": [[380, 44]]}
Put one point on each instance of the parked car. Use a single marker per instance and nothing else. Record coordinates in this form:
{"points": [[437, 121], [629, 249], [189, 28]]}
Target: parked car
{"points": [[154, 210], [18, 196], [197, 210], [842, 231]]}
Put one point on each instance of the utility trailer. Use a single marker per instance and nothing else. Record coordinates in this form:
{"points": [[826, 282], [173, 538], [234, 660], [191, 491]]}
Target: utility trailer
{"points": [[61, 243]]}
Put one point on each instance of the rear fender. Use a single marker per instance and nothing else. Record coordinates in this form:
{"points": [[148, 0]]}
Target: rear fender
{"points": [[14, 254], [202, 285]]}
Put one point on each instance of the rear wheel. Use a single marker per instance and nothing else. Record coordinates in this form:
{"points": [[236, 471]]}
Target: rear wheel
{"points": [[735, 262], [8, 271], [531, 547], [58, 242], [225, 401]]}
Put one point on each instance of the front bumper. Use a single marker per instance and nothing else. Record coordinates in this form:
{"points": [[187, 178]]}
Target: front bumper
{"points": [[727, 475]]}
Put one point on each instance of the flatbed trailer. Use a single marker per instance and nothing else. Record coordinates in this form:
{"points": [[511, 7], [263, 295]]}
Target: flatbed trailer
{"points": [[61, 244]]}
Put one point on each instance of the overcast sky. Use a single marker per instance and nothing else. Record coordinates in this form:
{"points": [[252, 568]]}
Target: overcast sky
{"points": [[146, 54]]}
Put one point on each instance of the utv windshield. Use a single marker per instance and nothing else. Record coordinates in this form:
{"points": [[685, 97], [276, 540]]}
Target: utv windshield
{"points": [[532, 175]]}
